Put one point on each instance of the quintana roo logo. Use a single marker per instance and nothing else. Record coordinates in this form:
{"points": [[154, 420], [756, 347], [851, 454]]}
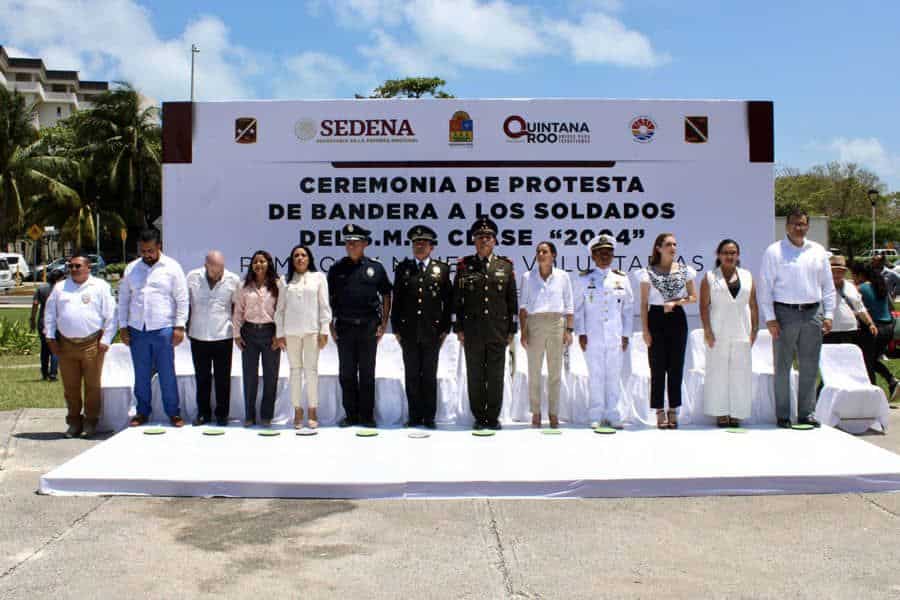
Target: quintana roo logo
{"points": [[643, 128]]}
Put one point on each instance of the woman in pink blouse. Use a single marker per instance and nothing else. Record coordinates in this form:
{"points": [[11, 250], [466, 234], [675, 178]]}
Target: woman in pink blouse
{"points": [[254, 326]]}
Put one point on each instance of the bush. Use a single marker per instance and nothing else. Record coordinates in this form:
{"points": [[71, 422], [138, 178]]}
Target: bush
{"points": [[16, 339], [115, 269]]}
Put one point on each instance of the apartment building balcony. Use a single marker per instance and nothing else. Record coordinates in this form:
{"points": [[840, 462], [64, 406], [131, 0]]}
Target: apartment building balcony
{"points": [[61, 98], [30, 87]]}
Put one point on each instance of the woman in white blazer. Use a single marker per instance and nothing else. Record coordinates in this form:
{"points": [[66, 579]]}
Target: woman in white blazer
{"points": [[302, 318], [730, 322]]}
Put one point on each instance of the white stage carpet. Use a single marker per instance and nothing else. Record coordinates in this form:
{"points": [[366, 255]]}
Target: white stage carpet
{"points": [[517, 462]]}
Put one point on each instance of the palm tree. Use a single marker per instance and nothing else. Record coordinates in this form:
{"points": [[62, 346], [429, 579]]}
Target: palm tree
{"points": [[25, 169], [126, 137]]}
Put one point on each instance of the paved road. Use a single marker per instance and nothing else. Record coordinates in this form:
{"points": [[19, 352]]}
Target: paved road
{"points": [[836, 546]]}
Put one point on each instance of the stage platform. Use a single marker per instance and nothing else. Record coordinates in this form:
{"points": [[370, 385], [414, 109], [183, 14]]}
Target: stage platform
{"points": [[516, 462]]}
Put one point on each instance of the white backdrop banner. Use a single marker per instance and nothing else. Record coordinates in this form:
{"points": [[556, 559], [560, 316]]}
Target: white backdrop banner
{"points": [[269, 175]]}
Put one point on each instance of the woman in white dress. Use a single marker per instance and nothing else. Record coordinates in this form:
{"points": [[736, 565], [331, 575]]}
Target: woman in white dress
{"points": [[730, 322], [302, 318]]}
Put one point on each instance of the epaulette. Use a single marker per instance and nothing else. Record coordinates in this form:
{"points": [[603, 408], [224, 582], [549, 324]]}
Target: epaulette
{"points": [[504, 258], [619, 272], [585, 271]]}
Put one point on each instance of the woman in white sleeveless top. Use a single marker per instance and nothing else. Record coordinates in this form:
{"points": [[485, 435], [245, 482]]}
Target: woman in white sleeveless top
{"points": [[730, 322]]}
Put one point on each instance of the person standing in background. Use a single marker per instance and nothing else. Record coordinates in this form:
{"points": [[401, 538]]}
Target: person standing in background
{"points": [[49, 361]]}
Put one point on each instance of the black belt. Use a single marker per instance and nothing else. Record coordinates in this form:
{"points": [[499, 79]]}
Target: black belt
{"points": [[798, 306], [357, 321], [258, 325]]}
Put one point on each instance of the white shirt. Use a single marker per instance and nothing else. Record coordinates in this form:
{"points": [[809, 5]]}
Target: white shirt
{"points": [[211, 307], [303, 306], [844, 313], [553, 295], [604, 305], [152, 298], [79, 310], [655, 297], [795, 275]]}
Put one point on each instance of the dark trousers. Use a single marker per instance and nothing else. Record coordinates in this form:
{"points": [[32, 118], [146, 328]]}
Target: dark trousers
{"points": [[258, 344], [485, 365], [212, 360], [420, 361], [666, 354], [873, 346], [49, 362], [357, 345]]}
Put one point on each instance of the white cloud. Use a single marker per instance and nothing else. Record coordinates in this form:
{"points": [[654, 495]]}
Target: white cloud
{"points": [[868, 152], [115, 39], [599, 38], [362, 14], [440, 36], [317, 75]]}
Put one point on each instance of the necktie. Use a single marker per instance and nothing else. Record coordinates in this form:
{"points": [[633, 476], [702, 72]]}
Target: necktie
{"points": [[421, 266]]}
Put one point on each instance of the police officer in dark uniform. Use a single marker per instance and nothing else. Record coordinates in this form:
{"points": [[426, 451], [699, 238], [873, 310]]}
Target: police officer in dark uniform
{"points": [[423, 305], [486, 305], [360, 296]]}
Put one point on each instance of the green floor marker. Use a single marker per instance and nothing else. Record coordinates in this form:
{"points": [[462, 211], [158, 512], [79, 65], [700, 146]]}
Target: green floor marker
{"points": [[154, 431], [483, 432], [366, 433], [736, 430], [418, 435], [802, 426], [269, 433], [604, 430], [213, 432], [551, 431], [306, 431]]}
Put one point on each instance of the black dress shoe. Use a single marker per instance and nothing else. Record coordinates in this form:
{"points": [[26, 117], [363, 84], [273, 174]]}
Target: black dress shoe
{"points": [[222, 421], [346, 422], [413, 423], [784, 423], [200, 420], [496, 426], [478, 426], [370, 424], [430, 424], [809, 421]]}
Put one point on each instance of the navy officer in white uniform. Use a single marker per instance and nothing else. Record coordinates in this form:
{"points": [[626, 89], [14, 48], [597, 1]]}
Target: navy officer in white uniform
{"points": [[604, 305]]}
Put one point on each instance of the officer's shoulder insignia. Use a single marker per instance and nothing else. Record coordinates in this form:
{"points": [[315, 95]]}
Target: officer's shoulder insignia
{"points": [[503, 258], [585, 272], [618, 272]]}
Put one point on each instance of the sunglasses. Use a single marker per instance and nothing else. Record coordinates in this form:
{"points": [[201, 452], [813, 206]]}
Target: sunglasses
{"points": [[74, 267]]}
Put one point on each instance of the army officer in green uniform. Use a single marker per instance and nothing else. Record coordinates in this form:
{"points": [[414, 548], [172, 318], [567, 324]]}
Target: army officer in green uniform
{"points": [[486, 304], [420, 316]]}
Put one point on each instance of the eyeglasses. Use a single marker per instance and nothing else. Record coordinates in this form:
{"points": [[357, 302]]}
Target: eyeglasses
{"points": [[74, 267]]}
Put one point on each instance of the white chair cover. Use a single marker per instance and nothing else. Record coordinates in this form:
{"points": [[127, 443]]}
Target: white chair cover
{"points": [[187, 386], [848, 400], [638, 384], [520, 405], [448, 381], [575, 393], [116, 389], [694, 379], [391, 407], [331, 407]]}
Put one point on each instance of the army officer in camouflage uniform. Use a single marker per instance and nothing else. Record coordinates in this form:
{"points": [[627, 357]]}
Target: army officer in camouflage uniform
{"points": [[420, 316], [486, 305]]}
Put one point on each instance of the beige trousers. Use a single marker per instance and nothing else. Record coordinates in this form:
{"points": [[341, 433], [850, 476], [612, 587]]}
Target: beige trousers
{"points": [[545, 336], [80, 363], [303, 354]]}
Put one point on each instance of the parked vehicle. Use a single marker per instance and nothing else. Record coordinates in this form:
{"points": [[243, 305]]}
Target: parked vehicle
{"points": [[59, 263], [891, 256], [98, 265], [17, 264], [6, 277]]}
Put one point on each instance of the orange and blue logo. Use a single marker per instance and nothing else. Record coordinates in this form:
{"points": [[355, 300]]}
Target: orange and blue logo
{"points": [[462, 129], [643, 128]]}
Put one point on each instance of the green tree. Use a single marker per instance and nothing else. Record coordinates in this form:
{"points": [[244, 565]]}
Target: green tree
{"points": [[853, 235], [26, 170], [122, 141], [410, 87], [835, 190]]}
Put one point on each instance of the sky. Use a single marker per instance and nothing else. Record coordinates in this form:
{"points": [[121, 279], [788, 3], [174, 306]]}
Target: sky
{"points": [[830, 67]]}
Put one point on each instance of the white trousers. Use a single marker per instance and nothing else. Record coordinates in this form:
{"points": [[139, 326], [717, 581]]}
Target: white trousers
{"points": [[604, 361], [303, 354], [727, 386]]}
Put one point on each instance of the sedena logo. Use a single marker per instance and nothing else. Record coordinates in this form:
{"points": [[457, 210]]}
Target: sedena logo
{"points": [[350, 131]]}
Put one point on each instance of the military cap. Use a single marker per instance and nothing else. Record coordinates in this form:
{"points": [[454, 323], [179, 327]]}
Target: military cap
{"points": [[421, 232], [352, 232], [484, 226], [602, 241]]}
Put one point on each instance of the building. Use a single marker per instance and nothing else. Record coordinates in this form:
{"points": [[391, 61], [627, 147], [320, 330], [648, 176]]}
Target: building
{"points": [[55, 94]]}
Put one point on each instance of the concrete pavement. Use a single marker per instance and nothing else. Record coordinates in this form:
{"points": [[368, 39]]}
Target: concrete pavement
{"points": [[835, 546]]}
